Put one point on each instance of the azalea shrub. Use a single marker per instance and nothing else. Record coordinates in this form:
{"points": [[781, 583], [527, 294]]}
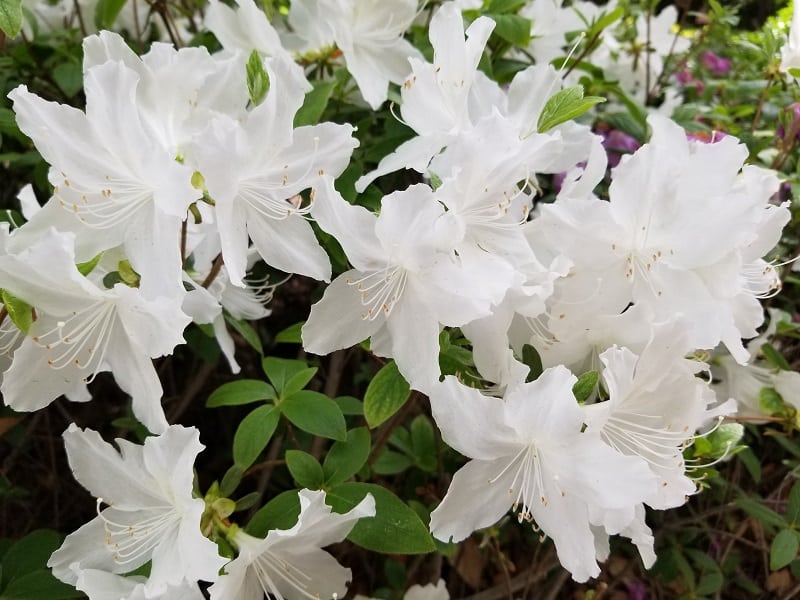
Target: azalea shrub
{"points": [[400, 299]]}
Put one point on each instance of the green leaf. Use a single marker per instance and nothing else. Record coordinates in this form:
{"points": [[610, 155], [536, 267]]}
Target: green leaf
{"points": [[783, 549], [242, 391], [350, 405], [585, 385], [751, 463], [390, 462], [257, 78], [315, 413], [128, 274], [37, 585], [506, 6], [11, 17], [69, 77], [281, 370], [760, 512], [423, 441], [793, 506], [774, 357], [770, 401], [111, 279], [531, 358], [247, 501], [279, 513], [514, 29], [298, 381], [87, 267], [20, 312], [290, 335], [395, 528], [231, 480], [106, 12], [246, 330], [345, 459], [305, 469], [385, 394], [315, 103], [564, 105], [253, 434], [30, 553], [724, 439]]}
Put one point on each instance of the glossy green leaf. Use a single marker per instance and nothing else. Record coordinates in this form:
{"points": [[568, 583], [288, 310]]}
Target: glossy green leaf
{"points": [[39, 585], [279, 513], [345, 459], [770, 401], [106, 12], [390, 462], [783, 549], [281, 370], [290, 335], [395, 528], [315, 413], [793, 506], [242, 391], [774, 357], [585, 385], [87, 267], [350, 405], [231, 480], [423, 441], [315, 102], [564, 105], [29, 553], [305, 469], [257, 78], [253, 434], [386, 393], [11, 17], [246, 330], [531, 358], [20, 312], [514, 29], [298, 381]]}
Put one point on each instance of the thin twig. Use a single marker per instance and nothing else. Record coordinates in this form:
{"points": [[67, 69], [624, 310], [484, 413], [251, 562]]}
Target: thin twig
{"points": [[212, 274]]}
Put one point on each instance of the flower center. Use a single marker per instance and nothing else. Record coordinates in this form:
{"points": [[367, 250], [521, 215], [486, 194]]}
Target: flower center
{"points": [[81, 340], [270, 569], [380, 290], [134, 541]]}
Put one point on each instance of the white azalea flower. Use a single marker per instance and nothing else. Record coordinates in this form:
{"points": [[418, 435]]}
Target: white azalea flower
{"points": [[684, 232], [150, 514], [744, 382], [369, 34], [406, 277], [82, 330], [252, 182], [290, 563], [442, 98], [532, 457], [656, 405], [112, 179]]}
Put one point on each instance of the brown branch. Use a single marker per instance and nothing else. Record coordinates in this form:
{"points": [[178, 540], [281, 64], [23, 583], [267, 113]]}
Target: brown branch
{"points": [[212, 274]]}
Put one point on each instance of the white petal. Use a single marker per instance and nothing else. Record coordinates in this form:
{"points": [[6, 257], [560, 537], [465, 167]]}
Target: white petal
{"points": [[476, 498]]}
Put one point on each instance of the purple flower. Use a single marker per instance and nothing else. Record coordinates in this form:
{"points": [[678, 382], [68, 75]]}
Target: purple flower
{"points": [[793, 108], [706, 137], [617, 143], [718, 65]]}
